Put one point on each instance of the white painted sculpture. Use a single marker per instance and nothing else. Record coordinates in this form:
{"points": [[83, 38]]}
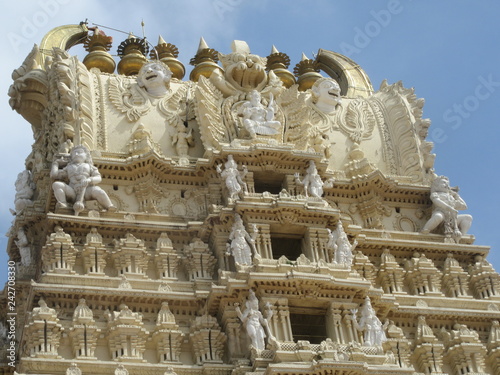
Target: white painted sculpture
{"points": [[182, 140], [82, 177], [242, 244], [326, 95], [25, 189], [24, 248], [233, 177], [370, 325], [255, 323], [339, 247], [312, 182], [154, 77], [258, 119], [446, 204]]}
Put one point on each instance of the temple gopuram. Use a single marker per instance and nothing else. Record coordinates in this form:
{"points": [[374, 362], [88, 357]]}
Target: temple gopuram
{"points": [[246, 219]]}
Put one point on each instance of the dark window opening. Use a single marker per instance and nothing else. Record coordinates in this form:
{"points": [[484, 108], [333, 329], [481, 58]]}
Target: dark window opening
{"points": [[308, 327], [289, 247], [272, 183]]}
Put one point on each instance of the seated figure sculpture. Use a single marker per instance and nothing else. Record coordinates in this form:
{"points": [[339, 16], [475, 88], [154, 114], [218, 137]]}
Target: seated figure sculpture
{"points": [[82, 178], [154, 77], [446, 203], [257, 119]]}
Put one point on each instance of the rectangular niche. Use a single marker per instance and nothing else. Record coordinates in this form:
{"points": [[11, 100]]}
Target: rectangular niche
{"points": [[268, 181], [288, 241], [310, 327]]}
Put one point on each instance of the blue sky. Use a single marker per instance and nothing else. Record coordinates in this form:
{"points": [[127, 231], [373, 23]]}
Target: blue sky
{"points": [[447, 50]]}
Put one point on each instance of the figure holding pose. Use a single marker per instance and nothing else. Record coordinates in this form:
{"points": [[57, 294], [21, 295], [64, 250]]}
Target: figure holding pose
{"points": [[82, 177], [312, 182], [370, 325], [339, 248], [254, 322], [242, 244], [258, 119], [233, 177], [446, 203]]}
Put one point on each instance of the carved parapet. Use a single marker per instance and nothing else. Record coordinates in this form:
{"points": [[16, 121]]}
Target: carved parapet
{"points": [[390, 275], [94, 254], [59, 254], [422, 277], [455, 279], [84, 332], [43, 332], [200, 262], [207, 340], [127, 335], [130, 257], [166, 258], [167, 336], [484, 281]]}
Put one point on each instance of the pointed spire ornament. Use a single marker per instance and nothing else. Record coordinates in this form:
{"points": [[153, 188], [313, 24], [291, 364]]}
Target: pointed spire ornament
{"points": [[97, 45], [278, 62], [205, 61], [133, 53], [167, 53], [307, 72]]}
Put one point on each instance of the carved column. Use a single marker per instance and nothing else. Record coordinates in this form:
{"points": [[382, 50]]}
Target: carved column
{"points": [[263, 241], [493, 346], [316, 240]]}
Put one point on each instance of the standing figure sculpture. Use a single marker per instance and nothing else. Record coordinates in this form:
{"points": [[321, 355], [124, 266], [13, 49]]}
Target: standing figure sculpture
{"points": [[257, 119], [82, 177], [182, 140], [233, 177], [446, 203], [25, 188], [312, 181], [255, 323], [24, 247], [242, 245], [339, 247], [370, 325]]}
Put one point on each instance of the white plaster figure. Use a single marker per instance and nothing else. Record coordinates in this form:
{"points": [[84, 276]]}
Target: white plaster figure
{"points": [[154, 77], [312, 182], [82, 177], [233, 177], [242, 243], [25, 189], [254, 322], [446, 204], [370, 325], [339, 248], [258, 119], [326, 95], [24, 248], [182, 140]]}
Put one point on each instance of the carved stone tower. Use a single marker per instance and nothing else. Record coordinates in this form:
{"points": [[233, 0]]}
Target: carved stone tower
{"points": [[234, 223]]}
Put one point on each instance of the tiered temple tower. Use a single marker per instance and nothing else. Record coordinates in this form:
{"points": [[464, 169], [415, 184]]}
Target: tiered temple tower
{"points": [[234, 223]]}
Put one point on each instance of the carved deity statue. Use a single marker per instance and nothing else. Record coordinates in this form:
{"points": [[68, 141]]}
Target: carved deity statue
{"points": [[446, 204], [25, 189], [154, 77], [311, 182], [370, 325], [242, 244], [233, 177], [326, 95], [182, 140], [339, 247], [24, 247], [82, 178], [254, 322], [258, 119]]}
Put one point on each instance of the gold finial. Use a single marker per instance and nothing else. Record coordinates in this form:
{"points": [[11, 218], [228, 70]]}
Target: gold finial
{"points": [[167, 53], [278, 62], [307, 72], [97, 45], [133, 52], [205, 61]]}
